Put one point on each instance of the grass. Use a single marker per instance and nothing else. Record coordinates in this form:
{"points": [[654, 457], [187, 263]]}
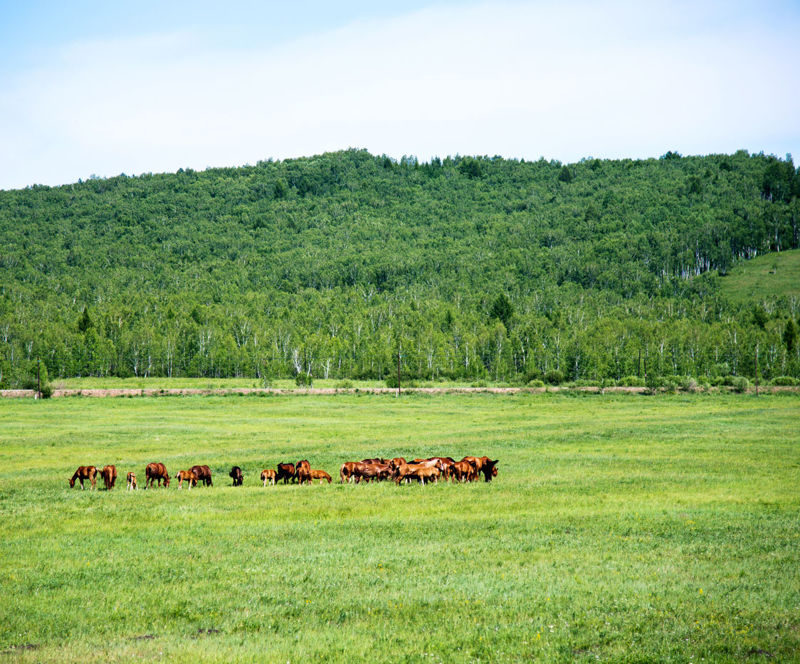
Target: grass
{"points": [[620, 528], [775, 274]]}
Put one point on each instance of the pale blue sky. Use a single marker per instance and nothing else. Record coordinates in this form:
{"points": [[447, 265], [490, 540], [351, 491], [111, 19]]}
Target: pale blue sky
{"points": [[90, 87]]}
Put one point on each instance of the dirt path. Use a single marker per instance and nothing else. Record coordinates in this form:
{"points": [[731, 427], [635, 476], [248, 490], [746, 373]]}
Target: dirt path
{"points": [[156, 392]]}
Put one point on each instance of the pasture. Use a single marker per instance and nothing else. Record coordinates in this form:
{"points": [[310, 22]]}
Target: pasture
{"points": [[620, 528]]}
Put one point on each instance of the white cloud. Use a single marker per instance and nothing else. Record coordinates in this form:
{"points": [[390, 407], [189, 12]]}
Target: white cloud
{"points": [[560, 80]]}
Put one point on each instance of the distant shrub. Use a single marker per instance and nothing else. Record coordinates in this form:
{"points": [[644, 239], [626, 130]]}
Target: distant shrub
{"points": [[741, 384], [784, 381], [631, 381], [303, 380], [554, 377], [479, 383], [344, 384], [729, 380], [690, 385], [535, 382]]}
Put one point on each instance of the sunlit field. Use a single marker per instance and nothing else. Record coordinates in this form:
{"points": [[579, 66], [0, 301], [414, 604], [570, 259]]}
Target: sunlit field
{"points": [[620, 527]]}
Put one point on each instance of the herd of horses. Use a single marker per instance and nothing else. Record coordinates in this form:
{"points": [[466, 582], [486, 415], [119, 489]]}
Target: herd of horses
{"points": [[429, 470]]}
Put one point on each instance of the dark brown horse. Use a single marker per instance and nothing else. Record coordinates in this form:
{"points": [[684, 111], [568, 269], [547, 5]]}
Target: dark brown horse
{"points": [[203, 474], [237, 476], [84, 473], [285, 472]]}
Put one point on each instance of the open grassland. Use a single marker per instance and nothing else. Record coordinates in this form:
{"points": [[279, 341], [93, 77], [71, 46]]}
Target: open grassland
{"points": [[772, 274], [620, 528]]}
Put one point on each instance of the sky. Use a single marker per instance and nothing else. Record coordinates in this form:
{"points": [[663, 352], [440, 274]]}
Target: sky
{"points": [[91, 88]]}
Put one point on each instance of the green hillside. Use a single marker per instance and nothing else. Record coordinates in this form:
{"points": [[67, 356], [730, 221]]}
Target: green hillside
{"points": [[768, 276], [474, 268]]}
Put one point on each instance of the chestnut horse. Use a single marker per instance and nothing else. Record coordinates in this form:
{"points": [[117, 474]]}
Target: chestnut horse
{"points": [[320, 475], [268, 475], [186, 475], [302, 471], [153, 472], [132, 482], [109, 475], [84, 473]]}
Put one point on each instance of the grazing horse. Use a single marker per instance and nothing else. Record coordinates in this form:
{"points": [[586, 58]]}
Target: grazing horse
{"points": [[132, 482], [268, 475], [464, 471], [203, 474], [189, 476], [302, 471], [489, 469], [84, 473], [417, 471], [320, 475], [109, 475], [285, 472], [371, 471], [237, 476], [346, 472], [153, 472]]}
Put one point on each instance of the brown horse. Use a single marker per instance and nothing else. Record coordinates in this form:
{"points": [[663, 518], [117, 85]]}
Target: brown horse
{"points": [[203, 474], [189, 476], [417, 471], [236, 475], [346, 471], [302, 471], [285, 472], [84, 473], [132, 482], [489, 469], [269, 475], [153, 472], [464, 471], [109, 475], [320, 475], [371, 471]]}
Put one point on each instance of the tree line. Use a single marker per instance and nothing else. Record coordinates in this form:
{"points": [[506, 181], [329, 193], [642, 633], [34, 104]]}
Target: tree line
{"points": [[470, 268]]}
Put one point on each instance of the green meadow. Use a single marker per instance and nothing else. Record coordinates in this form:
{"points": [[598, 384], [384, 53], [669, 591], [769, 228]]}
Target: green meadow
{"points": [[624, 528]]}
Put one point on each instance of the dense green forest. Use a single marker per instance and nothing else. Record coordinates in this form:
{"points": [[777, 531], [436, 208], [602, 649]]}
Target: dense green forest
{"points": [[474, 268]]}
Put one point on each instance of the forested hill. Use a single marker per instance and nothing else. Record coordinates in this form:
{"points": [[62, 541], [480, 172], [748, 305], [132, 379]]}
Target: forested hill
{"points": [[474, 267]]}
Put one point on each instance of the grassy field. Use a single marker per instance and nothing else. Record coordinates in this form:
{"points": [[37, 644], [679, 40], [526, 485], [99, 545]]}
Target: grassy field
{"points": [[620, 528], [770, 274]]}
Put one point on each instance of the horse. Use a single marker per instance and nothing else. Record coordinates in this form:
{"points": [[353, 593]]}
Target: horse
{"points": [[203, 474], [346, 471], [186, 475], [320, 475], [132, 482], [84, 473], [302, 471], [109, 475], [153, 472], [237, 476], [285, 472], [268, 475]]}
